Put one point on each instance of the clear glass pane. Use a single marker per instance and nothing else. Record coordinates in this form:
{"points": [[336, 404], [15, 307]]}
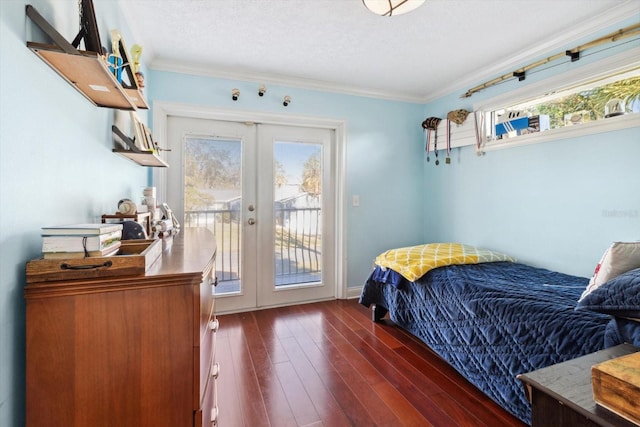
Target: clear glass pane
{"points": [[213, 199], [610, 96], [297, 189]]}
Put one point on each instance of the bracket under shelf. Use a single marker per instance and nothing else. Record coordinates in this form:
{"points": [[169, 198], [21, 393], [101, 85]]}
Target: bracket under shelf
{"points": [[141, 157]]}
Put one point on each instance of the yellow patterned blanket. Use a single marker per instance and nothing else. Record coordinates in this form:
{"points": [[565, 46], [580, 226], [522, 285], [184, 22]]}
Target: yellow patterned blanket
{"points": [[415, 261]]}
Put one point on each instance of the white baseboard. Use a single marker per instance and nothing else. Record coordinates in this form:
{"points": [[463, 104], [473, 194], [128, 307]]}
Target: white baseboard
{"points": [[354, 292]]}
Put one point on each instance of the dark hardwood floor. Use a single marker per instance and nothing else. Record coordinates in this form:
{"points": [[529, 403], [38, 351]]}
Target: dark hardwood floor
{"points": [[327, 364]]}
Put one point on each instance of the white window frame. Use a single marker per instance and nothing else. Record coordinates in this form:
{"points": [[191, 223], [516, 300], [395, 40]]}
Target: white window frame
{"points": [[600, 69]]}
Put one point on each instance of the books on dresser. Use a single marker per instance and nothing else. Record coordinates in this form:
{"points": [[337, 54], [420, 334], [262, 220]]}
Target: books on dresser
{"points": [[81, 229], [111, 250], [81, 240], [80, 243]]}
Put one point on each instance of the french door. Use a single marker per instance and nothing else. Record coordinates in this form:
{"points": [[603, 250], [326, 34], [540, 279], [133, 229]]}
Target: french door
{"points": [[268, 194]]}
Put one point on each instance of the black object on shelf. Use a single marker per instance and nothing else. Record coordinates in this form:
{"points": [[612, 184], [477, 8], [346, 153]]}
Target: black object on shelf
{"points": [[142, 157]]}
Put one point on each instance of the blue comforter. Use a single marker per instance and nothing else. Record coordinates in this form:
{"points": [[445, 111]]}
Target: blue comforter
{"points": [[494, 321]]}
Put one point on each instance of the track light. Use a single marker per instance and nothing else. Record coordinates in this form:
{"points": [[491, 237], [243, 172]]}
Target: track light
{"points": [[262, 90], [286, 101], [235, 94]]}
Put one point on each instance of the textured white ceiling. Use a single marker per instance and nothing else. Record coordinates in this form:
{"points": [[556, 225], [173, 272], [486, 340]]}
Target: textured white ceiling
{"points": [[340, 45]]}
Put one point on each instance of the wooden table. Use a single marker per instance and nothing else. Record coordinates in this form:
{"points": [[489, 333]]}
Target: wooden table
{"points": [[562, 395]]}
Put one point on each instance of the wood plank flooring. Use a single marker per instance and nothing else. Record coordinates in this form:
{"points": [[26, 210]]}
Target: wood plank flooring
{"points": [[327, 364]]}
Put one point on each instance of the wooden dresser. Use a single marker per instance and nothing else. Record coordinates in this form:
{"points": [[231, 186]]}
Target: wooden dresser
{"points": [[127, 351]]}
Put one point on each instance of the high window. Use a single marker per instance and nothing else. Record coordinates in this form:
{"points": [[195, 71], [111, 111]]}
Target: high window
{"points": [[599, 97]]}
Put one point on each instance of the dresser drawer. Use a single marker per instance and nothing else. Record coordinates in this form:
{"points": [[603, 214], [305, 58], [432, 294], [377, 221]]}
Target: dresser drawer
{"points": [[207, 354], [207, 415], [206, 303], [203, 334]]}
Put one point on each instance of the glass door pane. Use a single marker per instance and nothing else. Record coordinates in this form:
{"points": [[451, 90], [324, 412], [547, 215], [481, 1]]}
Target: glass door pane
{"points": [[267, 192], [295, 221], [213, 199], [297, 204]]}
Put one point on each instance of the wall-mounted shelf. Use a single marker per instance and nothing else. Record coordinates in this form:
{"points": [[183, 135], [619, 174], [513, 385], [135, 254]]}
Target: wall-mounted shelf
{"points": [[141, 157], [90, 75], [86, 71]]}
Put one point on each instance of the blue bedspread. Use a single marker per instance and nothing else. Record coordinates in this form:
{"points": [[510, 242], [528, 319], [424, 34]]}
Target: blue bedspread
{"points": [[494, 321]]}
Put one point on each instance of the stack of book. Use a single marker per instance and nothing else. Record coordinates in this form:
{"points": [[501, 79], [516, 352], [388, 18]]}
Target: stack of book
{"points": [[81, 240]]}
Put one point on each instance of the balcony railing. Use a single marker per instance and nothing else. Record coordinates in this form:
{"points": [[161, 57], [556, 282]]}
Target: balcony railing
{"points": [[297, 246]]}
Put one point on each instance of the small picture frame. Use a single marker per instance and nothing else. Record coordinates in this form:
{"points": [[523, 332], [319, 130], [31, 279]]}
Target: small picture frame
{"points": [[139, 133], [149, 138]]}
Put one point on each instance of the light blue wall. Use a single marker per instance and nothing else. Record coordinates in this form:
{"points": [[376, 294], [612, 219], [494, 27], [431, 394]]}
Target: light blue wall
{"points": [[56, 167], [557, 205], [382, 154]]}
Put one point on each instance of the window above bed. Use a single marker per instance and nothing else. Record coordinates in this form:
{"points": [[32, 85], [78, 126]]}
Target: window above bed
{"points": [[599, 97]]}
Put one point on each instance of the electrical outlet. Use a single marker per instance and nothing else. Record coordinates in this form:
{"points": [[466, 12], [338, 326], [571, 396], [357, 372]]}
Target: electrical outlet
{"points": [[355, 200]]}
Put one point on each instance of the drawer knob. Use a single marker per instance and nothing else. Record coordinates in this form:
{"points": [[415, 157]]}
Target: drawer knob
{"points": [[215, 370], [214, 416], [214, 325]]}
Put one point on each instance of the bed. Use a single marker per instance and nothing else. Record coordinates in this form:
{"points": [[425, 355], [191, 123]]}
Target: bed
{"points": [[493, 318]]}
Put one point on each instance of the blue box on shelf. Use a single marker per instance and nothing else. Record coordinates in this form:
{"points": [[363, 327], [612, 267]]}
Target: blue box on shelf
{"points": [[512, 125], [523, 125]]}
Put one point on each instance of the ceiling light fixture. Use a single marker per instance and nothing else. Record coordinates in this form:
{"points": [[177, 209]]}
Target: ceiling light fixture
{"points": [[391, 7]]}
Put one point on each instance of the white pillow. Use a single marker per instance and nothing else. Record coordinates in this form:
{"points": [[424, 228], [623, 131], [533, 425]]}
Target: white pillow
{"points": [[619, 258]]}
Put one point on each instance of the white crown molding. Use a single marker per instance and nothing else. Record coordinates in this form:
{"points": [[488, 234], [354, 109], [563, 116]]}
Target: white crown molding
{"points": [[274, 79]]}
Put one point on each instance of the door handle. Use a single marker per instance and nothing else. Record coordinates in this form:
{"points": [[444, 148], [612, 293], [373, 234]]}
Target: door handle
{"points": [[251, 208], [251, 221]]}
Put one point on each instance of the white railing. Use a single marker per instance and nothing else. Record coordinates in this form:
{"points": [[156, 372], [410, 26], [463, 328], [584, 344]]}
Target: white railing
{"points": [[297, 249]]}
